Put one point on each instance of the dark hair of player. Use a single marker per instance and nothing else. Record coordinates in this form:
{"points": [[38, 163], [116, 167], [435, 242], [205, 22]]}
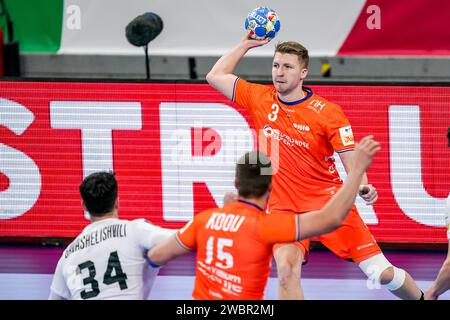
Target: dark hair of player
{"points": [[99, 192], [253, 174]]}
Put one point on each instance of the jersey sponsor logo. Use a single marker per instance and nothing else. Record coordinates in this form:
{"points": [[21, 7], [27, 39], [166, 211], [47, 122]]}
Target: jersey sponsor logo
{"points": [[331, 190], [224, 221], [365, 246], [230, 283], [288, 110], [302, 127], [268, 130], [276, 134], [316, 105], [346, 135]]}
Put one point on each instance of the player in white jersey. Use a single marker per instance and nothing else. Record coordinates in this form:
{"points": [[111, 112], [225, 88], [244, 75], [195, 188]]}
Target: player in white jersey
{"points": [[108, 259], [442, 282]]}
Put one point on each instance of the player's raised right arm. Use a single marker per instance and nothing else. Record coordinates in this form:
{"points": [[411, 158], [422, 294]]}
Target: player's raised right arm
{"points": [[221, 77], [285, 227], [331, 216]]}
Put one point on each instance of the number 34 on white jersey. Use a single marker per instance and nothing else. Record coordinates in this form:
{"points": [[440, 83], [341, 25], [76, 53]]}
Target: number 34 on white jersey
{"points": [[107, 261]]}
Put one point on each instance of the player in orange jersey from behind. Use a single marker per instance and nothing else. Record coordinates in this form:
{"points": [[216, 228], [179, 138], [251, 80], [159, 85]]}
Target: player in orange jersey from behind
{"points": [[234, 243], [302, 131]]}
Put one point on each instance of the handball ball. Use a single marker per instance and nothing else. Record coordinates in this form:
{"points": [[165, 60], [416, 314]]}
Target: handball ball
{"points": [[262, 23]]}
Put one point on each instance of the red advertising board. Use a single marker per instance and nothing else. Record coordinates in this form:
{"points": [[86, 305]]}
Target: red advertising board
{"points": [[173, 148]]}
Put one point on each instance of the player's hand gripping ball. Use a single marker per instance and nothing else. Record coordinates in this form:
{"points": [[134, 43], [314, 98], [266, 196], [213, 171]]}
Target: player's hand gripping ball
{"points": [[262, 23]]}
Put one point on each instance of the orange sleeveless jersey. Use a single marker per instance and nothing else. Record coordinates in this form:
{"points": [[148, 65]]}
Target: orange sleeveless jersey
{"points": [[234, 249], [300, 138]]}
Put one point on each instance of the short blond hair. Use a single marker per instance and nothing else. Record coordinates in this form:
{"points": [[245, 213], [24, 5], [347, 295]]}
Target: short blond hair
{"points": [[296, 48]]}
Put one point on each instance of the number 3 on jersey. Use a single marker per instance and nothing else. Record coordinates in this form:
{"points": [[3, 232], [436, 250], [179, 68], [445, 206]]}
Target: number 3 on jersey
{"points": [[225, 258], [274, 114]]}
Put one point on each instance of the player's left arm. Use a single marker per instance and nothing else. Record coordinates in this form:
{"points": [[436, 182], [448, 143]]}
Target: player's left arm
{"points": [[175, 246], [366, 191], [165, 251]]}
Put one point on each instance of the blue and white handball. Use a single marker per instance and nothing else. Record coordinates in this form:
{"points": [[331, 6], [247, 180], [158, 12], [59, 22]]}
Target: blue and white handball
{"points": [[262, 23]]}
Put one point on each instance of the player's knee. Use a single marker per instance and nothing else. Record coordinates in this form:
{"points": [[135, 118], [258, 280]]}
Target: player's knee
{"points": [[285, 270], [287, 273], [374, 266], [379, 269], [387, 276], [288, 260], [397, 280]]}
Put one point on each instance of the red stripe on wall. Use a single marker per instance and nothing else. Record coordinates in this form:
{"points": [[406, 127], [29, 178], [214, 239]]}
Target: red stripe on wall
{"points": [[400, 28]]}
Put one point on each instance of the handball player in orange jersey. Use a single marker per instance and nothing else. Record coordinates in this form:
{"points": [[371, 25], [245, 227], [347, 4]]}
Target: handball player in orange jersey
{"points": [[234, 243], [302, 131]]}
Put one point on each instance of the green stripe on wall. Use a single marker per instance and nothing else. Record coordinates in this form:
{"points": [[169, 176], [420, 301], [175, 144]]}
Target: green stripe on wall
{"points": [[37, 24]]}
